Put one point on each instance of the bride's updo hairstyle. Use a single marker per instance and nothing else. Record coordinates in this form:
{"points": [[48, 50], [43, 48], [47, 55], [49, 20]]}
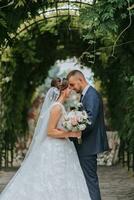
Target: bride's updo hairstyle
{"points": [[56, 82], [63, 85], [60, 84]]}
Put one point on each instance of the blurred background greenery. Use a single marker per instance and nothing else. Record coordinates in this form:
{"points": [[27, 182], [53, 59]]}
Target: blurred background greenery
{"points": [[34, 35]]}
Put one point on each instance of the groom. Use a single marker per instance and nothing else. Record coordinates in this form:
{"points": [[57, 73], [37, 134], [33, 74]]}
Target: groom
{"points": [[94, 139]]}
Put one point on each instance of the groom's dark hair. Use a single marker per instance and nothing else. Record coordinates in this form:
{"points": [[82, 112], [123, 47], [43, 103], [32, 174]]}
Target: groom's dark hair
{"points": [[75, 72]]}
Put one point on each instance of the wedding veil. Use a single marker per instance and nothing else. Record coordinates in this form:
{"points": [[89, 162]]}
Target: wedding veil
{"points": [[41, 128], [40, 132]]}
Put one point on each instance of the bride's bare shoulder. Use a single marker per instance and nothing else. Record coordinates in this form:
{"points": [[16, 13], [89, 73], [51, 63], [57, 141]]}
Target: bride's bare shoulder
{"points": [[57, 107]]}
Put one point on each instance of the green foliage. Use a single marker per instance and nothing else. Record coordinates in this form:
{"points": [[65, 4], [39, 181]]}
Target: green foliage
{"points": [[128, 127], [13, 14], [102, 25], [22, 2], [25, 65], [2, 20]]}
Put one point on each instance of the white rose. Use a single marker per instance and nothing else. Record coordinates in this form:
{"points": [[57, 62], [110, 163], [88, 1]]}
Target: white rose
{"points": [[71, 114], [82, 127], [79, 104], [69, 126], [74, 128]]}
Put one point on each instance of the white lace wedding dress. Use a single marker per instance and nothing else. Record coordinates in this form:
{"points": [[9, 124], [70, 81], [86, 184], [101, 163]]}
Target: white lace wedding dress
{"points": [[53, 172]]}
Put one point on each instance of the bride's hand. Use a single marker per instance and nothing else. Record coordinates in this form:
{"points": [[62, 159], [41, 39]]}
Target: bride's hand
{"points": [[66, 134], [75, 134]]}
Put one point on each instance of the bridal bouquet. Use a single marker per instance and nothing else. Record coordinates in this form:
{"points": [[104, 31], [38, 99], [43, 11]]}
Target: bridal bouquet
{"points": [[76, 121]]}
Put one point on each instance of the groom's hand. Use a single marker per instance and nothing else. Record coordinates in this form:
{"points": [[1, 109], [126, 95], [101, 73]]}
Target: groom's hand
{"points": [[75, 134]]}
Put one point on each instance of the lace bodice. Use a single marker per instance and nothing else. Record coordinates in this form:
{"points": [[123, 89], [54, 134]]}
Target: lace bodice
{"points": [[59, 125]]}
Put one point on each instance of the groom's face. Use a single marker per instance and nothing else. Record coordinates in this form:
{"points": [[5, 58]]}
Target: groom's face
{"points": [[75, 84]]}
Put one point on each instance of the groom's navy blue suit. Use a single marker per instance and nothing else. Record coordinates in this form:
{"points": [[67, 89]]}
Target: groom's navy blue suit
{"points": [[94, 140]]}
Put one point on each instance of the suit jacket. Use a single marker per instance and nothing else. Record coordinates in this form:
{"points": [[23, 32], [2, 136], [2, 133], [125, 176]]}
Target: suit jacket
{"points": [[94, 138]]}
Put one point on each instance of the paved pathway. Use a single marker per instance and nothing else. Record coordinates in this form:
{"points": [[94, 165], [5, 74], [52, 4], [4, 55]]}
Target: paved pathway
{"points": [[115, 182]]}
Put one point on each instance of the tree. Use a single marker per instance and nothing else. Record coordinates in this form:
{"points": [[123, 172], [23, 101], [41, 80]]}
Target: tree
{"points": [[108, 27]]}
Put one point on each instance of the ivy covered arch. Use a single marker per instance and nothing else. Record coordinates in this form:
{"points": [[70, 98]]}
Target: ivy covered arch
{"points": [[106, 27], [25, 66]]}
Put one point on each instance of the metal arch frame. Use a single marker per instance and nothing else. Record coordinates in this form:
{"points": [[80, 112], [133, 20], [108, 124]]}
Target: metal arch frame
{"points": [[54, 8], [46, 18], [67, 1]]}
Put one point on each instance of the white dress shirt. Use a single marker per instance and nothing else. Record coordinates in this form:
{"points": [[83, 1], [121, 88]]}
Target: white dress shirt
{"points": [[84, 91]]}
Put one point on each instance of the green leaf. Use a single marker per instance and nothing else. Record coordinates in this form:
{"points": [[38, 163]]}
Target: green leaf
{"points": [[20, 3], [3, 23]]}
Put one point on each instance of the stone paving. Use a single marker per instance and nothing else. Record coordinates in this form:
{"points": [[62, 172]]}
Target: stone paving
{"points": [[115, 182]]}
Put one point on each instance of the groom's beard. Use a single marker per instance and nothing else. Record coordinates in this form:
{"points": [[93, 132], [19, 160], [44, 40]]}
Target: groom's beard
{"points": [[79, 91]]}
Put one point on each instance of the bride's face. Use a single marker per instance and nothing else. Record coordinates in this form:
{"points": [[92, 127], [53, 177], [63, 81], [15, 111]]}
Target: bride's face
{"points": [[67, 92]]}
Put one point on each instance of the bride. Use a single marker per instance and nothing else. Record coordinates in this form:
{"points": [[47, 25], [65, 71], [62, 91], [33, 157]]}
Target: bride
{"points": [[51, 168]]}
